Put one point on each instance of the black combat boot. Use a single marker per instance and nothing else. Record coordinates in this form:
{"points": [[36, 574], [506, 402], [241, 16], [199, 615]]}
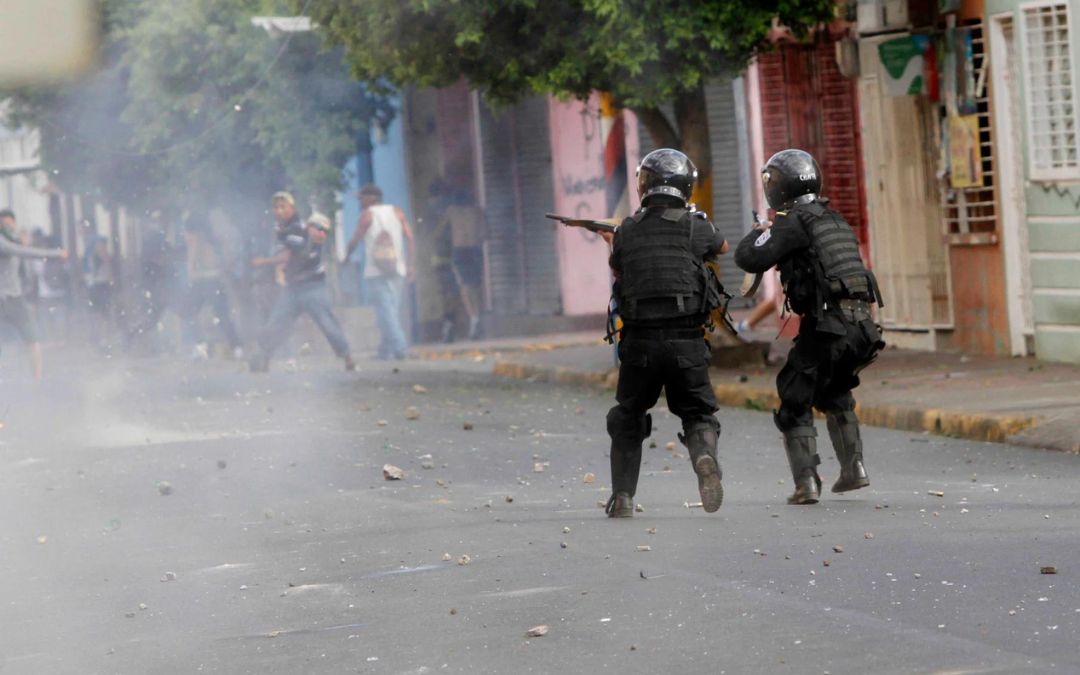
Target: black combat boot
{"points": [[620, 505], [801, 446], [701, 443], [625, 467], [847, 442]]}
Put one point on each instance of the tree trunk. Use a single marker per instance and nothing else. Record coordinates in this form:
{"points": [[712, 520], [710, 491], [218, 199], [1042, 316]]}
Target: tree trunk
{"points": [[691, 116], [660, 130]]}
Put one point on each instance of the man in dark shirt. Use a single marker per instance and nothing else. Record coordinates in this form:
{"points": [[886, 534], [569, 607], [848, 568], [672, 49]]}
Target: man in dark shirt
{"points": [[300, 259], [664, 293], [828, 285]]}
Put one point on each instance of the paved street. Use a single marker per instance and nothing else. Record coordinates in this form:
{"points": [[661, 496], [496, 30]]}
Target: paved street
{"points": [[170, 517]]}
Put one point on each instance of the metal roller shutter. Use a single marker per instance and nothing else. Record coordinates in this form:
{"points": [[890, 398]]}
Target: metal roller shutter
{"points": [[522, 257]]}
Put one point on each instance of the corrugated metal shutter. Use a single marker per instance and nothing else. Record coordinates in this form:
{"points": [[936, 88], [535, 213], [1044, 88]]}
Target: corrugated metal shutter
{"points": [[522, 257], [729, 208], [536, 178]]}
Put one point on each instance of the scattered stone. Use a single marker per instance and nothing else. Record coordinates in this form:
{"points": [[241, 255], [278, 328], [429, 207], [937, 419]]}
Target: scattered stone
{"points": [[566, 530], [381, 423], [935, 493], [601, 504], [419, 389], [633, 648], [868, 535], [638, 508], [563, 544], [838, 549], [391, 472], [427, 464], [42, 539], [826, 563], [221, 464], [412, 413], [168, 576], [243, 587], [464, 560], [670, 445], [692, 505], [447, 557], [509, 499], [1049, 569], [129, 615], [440, 482], [468, 426], [164, 487], [539, 467], [652, 444], [589, 478], [651, 530], [142, 606], [453, 612], [644, 548], [537, 631]]}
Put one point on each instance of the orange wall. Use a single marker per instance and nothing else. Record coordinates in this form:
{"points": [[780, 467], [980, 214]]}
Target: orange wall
{"points": [[978, 285]]}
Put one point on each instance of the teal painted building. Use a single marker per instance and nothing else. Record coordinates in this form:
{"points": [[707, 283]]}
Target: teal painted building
{"points": [[1034, 57]]}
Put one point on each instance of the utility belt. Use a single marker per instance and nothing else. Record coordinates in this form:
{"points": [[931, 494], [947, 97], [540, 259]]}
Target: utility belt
{"points": [[641, 333], [854, 309]]}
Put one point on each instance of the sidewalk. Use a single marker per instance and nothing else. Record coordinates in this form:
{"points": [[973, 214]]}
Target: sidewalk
{"points": [[1012, 400]]}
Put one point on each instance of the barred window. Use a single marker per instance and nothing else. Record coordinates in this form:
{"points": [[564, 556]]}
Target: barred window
{"points": [[1051, 122]]}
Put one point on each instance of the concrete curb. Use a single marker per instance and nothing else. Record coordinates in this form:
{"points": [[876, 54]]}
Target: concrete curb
{"points": [[952, 423], [480, 350]]}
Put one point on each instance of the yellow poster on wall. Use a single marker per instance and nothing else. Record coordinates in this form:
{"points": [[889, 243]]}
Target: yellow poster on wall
{"points": [[965, 152]]}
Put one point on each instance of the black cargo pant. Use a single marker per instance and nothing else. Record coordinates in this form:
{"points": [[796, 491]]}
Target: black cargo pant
{"points": [[822, 369], [675, 361]]}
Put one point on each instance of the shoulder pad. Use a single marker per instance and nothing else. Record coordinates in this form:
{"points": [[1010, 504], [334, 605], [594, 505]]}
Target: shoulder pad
{"points": [[700, 214], [637, 216], [674, 215], [816, 208]]}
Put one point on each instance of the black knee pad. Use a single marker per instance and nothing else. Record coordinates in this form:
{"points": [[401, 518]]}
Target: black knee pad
{"points": [[622, 424]]}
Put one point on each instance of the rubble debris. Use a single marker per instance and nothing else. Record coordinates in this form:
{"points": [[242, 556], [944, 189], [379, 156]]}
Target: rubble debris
{"points": [[419, 389], [165, 488], [838, 549], [589, 478], [467, 426], [168, 576], [935, 493], [1049, 569], [412, 413], [391, 472], [537, 631], [644, 548], [464, 560], [221, 464]]}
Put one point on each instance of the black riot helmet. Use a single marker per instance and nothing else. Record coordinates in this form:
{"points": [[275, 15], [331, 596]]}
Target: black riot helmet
{"points": [[791, 177], [666, 172]]}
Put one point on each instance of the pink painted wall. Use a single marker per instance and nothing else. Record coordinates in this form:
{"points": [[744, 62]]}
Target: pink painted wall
{"points": [[577, 161]]}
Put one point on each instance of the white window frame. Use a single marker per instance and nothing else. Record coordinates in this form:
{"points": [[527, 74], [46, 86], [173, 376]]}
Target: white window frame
{"points": [[1035, 172]]}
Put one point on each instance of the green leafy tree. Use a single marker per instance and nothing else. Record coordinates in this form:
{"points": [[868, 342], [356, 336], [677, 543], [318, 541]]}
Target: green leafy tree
{"points": [[194, 104], [648, 54]]}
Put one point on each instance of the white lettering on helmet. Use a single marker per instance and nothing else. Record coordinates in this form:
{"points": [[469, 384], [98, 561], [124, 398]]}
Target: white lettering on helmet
{"points": [[807, 176]]}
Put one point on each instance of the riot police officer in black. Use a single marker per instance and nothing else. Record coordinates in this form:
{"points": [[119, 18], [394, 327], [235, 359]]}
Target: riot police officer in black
{"points": [[664, 294], [828, 285]]}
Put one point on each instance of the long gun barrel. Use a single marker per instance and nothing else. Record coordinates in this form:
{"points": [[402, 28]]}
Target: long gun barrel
{"points": [[590, 225]]}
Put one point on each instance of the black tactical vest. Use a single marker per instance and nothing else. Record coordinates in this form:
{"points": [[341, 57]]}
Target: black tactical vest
{"points": [[832, 268], [660, 277]]}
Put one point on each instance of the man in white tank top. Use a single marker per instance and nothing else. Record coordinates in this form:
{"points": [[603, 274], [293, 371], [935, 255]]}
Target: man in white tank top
{"points": [[388, 262]]}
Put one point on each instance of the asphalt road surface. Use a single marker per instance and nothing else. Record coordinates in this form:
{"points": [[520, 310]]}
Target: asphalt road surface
{"points": [[173, 518]]}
